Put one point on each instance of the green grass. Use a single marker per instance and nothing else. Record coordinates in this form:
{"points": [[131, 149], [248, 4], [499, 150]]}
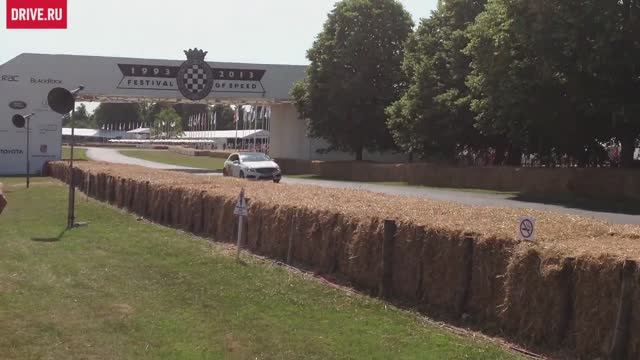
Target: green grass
{"points": [[167, 157], [125, 289], [78, 153]]}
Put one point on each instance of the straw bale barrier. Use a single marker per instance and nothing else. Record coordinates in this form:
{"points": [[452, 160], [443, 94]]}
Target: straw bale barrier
{"points": [[575, 292], [597, 183], [294, 166]]}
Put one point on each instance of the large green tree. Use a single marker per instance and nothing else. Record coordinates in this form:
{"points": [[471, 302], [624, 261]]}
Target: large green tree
{"points": [[224, 117], [355, 73], [433, 118], [167, 124], [81, 118], [557, 77], [117, 116]]}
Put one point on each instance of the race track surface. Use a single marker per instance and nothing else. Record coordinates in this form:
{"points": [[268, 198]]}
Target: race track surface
{"points": [[463, 197]]}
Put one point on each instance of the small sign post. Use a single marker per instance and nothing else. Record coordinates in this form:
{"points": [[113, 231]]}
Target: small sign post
{"points": [[241, 212], [527, 228]]}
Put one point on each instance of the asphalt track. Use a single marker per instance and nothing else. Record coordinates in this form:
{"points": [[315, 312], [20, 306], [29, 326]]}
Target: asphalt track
{"points": [[463, 197]]}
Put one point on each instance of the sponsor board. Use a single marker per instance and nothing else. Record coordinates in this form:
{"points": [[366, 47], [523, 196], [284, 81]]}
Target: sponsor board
{"points": [[17, 105], [38, 81], [10, 78], [195, 78], [11, 152]]}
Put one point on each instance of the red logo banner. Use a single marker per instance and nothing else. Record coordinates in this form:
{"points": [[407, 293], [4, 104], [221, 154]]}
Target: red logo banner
{"points": [[36, 14]]}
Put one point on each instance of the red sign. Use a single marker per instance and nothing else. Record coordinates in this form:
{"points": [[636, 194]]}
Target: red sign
{"points": [[36, 14]]}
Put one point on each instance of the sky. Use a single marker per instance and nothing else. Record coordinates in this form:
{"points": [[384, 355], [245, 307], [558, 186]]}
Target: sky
{"points": [[255, 31]]}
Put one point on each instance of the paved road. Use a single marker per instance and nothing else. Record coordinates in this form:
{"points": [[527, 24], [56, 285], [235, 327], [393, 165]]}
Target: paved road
{"points": [[463, 197], [114, 156]]}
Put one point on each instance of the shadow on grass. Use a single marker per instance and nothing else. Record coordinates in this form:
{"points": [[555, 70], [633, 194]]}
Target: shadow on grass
{"points": [[50, 239], [627, 206]]}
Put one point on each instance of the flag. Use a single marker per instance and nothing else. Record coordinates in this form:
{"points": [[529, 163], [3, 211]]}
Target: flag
{"points": [[215, 119]]}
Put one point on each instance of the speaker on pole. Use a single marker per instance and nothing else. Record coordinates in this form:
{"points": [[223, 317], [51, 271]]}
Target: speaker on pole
{"points": [[18, 121], [62, 100]]}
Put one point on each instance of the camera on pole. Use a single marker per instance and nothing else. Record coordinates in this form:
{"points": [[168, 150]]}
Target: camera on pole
{"points": [[63, 102]]}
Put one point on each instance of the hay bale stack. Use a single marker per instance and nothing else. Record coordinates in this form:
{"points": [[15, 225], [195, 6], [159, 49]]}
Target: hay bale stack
{"points": [[538, 298], [449, 260], [490, 261]]}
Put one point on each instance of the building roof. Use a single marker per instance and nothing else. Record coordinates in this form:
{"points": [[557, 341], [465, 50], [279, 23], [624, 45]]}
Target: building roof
{"points": [[97, 133]]}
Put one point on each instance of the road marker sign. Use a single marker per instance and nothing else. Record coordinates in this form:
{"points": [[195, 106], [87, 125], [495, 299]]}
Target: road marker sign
{"points": [[241, 212], [241, 205], [527, 228]]}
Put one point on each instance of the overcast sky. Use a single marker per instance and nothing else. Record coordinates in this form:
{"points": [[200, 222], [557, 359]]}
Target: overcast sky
{"points": [[260, 31]]}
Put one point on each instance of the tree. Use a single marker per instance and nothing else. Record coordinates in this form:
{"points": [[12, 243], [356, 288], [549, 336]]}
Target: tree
{"points": [[167, 124], [224, 117], [355, 73], [187, 110], [557, 77], [117, 116], [433, 118], [81, 118]]}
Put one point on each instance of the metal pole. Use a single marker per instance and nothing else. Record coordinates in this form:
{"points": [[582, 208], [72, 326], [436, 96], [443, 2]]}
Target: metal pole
{"points": [[71, 219], [240, 226], [28, 154]]}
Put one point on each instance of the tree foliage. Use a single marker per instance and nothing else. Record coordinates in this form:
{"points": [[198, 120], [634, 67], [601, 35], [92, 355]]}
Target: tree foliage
{"points": [[117, 116], [557, 77], [433, 117], [81, 118], [355, 73], [167, 124], [554, 79]]}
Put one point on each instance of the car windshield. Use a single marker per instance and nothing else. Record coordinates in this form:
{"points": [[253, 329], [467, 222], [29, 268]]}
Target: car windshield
{"points": [[254, 157]]}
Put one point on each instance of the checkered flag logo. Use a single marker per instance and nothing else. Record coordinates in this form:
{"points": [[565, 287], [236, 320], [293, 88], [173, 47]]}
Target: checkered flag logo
{"points": [[195, 77]]}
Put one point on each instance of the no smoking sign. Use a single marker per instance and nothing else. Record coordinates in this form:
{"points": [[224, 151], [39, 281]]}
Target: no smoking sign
{"points": [[527, 228]]}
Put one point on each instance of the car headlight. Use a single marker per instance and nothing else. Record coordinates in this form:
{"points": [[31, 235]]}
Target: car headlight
{"points": [[251, 170]]}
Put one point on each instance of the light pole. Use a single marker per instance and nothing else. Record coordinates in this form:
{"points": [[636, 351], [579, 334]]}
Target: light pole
{"points": [[21, 121], [63, 102]]}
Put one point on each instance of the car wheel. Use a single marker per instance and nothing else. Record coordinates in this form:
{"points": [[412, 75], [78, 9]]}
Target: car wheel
{"points": [[241, 175], [276, 181], [224, 172]]}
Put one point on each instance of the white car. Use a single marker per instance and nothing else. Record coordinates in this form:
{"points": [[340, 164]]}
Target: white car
{"points": [[253, 166]]}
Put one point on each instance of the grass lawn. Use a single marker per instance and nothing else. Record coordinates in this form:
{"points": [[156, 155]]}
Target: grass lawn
{"points": [[78, 153], [167, 157], [125, 289]]}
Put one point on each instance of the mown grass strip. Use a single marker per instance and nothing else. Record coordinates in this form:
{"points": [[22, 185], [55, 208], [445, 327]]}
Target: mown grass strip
{"points": [[123, 289]]}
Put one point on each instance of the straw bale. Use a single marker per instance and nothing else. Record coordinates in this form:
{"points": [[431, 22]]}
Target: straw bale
{"points": [[597, 290], [538, 297], [275, 228], [490, 260], [139, 199], [364, 255], [407, 263], [633, 350], [120, 185], [445, 259]]}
